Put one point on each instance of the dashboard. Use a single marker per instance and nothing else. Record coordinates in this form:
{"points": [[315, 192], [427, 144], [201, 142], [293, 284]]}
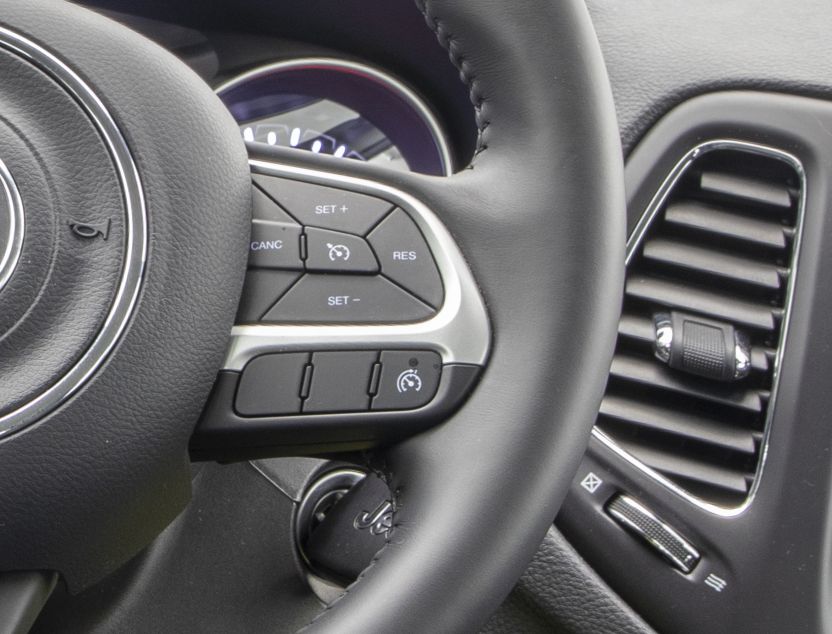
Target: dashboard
{"points": [[702, 503]]}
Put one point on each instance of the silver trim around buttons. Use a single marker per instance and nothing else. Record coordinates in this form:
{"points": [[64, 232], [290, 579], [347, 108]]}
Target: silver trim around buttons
{"points": [[135, 247], [16, 228], [459, 331], [389, 81], [633, 244]]}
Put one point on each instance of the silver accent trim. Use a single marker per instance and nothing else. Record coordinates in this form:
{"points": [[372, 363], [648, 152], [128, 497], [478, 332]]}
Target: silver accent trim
{"points": [[337, 480], [135, 248], [634, 504], [635, 241], [460, 331], [742, 355], [342, 479], [14, 244], [663, 345], [388, 80]]}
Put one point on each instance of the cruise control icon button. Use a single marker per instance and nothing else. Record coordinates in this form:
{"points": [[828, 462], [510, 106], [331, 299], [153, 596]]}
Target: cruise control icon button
{"points": [[336, 252], [409, 379]]}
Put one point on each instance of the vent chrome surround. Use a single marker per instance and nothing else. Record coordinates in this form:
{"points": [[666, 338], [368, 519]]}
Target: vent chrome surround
{"points": [[460, 331], [633, 243], [136, 234]]}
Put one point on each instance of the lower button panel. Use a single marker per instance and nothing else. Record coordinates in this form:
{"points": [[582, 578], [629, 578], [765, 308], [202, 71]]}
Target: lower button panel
{"points": [[344, 381], [320, 299]]}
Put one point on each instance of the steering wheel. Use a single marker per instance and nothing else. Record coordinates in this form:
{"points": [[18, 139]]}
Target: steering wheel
{"points": [[126, 216]]}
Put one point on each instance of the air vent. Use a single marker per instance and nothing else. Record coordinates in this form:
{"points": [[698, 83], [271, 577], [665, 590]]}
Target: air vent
{"points": [[718, 242]]}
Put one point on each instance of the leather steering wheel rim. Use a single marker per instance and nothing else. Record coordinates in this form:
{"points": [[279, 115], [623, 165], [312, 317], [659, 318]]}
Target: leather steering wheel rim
{"points": [[539, 216]]}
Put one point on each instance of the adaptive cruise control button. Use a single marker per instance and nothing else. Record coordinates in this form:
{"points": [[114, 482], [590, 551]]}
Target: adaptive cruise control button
{"points": [[320, 299], [327, 207], [409, 379], [405, 257], [275, 245], [333, 251]]}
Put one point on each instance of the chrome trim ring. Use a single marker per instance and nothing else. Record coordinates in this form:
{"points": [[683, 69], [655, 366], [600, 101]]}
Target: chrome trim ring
{"points": [[331, 482], [135, 248], [633, 244], [15, 223], [460, 331], [389, 81]]}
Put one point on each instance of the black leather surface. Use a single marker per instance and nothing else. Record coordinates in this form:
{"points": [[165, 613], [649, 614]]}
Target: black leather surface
{"points": [[659, 54], [62, 289], [89, 486], [540, 218], [225, 566], [559, 592]]}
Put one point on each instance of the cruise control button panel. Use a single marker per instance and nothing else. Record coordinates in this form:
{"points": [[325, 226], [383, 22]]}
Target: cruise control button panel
{"points": [[365, 259], [360, 322]]}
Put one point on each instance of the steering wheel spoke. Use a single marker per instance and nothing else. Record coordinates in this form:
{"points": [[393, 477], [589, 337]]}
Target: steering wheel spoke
{"points": [[360, 321]]}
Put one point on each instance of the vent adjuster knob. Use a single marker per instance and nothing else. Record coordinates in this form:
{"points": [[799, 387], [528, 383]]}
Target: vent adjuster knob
{"points": [[704, 347]]}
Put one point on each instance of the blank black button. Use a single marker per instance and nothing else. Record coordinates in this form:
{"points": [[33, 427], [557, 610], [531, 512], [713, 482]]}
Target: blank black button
{"points": [[405, 257], [409, 379], [262, 289], [338, 252], [327, 207], [340, 382], [264, 208], [270, 385], [320, 299]]}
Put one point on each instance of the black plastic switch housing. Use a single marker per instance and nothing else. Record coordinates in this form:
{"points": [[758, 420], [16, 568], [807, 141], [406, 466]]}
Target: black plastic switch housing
{"points": [[340, 381], [270, 385]]}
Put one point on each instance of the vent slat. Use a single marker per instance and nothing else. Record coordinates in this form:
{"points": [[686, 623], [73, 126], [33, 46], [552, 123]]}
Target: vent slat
{"points": [[653, 374], [637, 327], [672, 421], [715, 220], [728, 267], [718, 305], [675, 466], [752, 190]]}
